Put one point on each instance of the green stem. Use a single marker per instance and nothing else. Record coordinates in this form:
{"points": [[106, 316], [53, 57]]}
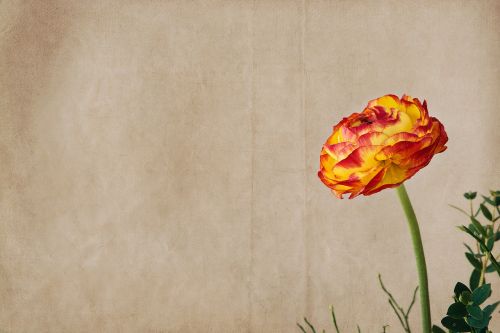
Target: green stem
{"points": [[418, 249]]}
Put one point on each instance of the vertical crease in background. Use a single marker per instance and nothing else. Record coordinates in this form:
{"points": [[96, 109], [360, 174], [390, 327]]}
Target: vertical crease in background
{"points": [[304, 120], [252, 199]]}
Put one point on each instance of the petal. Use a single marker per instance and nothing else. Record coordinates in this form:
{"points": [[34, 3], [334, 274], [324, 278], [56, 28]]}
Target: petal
{"points": [[340, 190], [322, 174], [412, 110], [423, 157], [422, 130], [406, 98], [336, 136], [387, 101], [442, 138], [361, 159], [403, 149], [403, 123], [339, 151], [363, 178], [326, 162], [403, 136], [424, 114], [372, 138], [391, 176], [375, 181], [419, 159]]}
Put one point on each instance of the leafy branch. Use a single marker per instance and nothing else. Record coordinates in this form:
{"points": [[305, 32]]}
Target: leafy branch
{"points": [[466, 314]]}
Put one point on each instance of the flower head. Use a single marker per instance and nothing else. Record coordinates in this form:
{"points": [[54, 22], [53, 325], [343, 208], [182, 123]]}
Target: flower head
{"points": [[380, 147]]}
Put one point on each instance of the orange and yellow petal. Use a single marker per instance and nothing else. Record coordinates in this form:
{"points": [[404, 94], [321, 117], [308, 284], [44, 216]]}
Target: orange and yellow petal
{"points": [[403, 149], [361, 159], [403, 123], [372, 139], [339, 151], [387, 101], [391, 176]]}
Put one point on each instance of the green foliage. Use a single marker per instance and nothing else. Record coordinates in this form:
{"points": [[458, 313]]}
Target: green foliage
{"points": [[465, 314], [457, 310]]}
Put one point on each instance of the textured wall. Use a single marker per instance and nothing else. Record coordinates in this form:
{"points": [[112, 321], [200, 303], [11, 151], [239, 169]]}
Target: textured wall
{"points": [[158, 160]]}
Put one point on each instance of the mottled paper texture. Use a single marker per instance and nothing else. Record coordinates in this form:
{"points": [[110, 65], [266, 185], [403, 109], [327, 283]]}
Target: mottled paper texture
{"points": [[158, 160]]}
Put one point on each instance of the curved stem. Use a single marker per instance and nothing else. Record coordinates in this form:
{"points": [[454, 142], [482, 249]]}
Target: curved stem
{"points": [[418, 249]]}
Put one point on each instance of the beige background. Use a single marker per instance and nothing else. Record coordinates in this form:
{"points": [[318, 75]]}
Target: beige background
{"points": [[158, 160]]}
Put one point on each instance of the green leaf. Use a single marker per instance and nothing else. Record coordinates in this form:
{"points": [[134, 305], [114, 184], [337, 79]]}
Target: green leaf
{"points": [[437, 329], [456, 325], [483, 247], [480, 294], [490, 243], [473, 229], [488, 310], [490, 268], [489, 231], [475, 311], [488, 200], [468, 248], [497, 235], [478, 323], [497, 200], [474, 262], [474, 279], [457, 310], [465, 297], [486, 212], [460, 288], [470, 195], [478, 226]]}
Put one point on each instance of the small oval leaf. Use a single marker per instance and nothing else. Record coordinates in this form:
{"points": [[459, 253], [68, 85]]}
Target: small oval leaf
{"points": [[486, 212], [457, 310], [459, 288], [465, 297], [474, 279], [488, 310], [478, 226], [476, 323], [490, 243], [488, 200], [490, 269], [475, 311], [456, 325], [480, 294], [474, 262]]}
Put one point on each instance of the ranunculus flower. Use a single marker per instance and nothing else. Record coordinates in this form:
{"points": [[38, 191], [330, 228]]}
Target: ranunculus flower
{"points": [[380, 147]]}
